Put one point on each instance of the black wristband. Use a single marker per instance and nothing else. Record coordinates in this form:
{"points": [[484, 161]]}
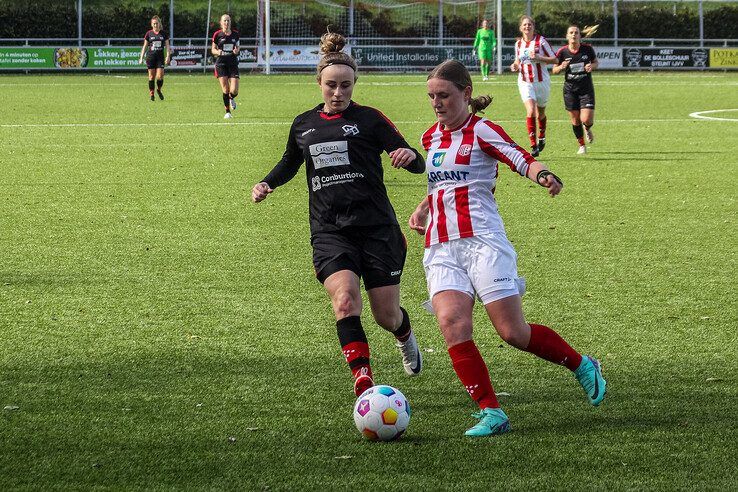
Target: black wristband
{"points": [[544, 174]]}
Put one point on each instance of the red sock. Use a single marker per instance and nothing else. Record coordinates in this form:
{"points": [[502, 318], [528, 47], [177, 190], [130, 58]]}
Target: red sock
{"points": [[472, 372], [547, 344], [357, 356], [354, 345], [542, 127], [531, 124], [580, 140]]}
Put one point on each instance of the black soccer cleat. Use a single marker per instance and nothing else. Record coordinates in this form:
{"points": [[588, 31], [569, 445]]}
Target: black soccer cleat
{"points": [[161, 96], [541, 144], [534, 151]]}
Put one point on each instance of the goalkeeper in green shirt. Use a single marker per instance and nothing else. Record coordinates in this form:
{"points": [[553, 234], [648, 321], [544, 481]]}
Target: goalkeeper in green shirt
{"points": [[485, 43]]}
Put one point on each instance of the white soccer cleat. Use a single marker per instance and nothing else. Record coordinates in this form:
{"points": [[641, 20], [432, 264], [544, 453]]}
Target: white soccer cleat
{"points": [[412, 359], [485, 79], [233, 104], [227, 116], [582, 149], [589, 135]]}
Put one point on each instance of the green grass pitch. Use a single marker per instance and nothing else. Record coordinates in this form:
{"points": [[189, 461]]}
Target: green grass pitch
{"points": [[159, 331]]}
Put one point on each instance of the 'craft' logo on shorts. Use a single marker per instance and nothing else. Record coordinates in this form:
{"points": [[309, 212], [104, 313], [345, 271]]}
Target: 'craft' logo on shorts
{"points": [[316, 183], [438, 159], [465, 150]]}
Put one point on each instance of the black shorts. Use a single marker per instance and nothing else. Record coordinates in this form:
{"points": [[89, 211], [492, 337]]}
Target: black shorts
{"points": [[230, 71], [155, 60], [376, 254], [576, 99]]}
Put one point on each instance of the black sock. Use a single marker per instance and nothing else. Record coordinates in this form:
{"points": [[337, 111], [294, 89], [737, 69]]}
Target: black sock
{"points": [[403, 332], [151, 86], [227, 102], [578, 131], [233, 96], [159, 83], [588, 126], [354, 344]]}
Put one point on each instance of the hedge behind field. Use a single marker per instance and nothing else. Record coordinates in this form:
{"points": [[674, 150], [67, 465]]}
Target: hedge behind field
{"points": [[37, 19]]}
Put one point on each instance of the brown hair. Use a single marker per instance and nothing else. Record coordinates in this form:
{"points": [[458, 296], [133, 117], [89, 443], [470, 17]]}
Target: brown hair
{"points": [[456, 73], [523, 17], [331, 44]]}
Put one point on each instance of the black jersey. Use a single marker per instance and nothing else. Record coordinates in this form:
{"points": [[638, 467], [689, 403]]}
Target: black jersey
{"points": [[156, 41], [576, 78], [227, 43], [343, 167]]}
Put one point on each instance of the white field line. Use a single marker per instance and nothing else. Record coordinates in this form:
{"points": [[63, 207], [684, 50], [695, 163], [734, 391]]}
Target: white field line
{"points": [[700, 115], [284, 123]]}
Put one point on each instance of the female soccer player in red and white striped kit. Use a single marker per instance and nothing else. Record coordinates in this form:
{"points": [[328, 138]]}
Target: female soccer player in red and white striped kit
{"points": [[532, 54], [467, 253]]}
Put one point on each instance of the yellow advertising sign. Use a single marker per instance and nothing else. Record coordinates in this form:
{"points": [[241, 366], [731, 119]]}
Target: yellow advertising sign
{"points": [[724, 57]]}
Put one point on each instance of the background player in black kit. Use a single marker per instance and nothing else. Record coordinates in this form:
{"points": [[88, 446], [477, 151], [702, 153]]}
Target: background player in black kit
{"points": [[157, 41], [226, 46], [354, 230], [578, 60]]}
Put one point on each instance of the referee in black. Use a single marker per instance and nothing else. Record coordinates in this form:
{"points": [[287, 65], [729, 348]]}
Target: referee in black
{"points": [[578, 60], [354, 230]]}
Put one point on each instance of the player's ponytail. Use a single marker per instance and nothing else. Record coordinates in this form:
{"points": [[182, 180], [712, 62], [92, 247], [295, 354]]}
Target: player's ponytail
{"points": [[331, 44], [456, 73]]}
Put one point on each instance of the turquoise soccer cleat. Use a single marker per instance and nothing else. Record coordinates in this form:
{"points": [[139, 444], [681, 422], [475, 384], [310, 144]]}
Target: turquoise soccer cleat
{"points": [[492, 421], [589, 375]]}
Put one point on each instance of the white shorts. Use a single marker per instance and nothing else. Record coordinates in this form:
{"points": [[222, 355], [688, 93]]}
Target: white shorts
{"points": [[538, 91], [485, 266]]}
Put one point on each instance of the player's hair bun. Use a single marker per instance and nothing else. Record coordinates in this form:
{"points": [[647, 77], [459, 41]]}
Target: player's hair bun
{"points": [[331, 42], [479, 103]]}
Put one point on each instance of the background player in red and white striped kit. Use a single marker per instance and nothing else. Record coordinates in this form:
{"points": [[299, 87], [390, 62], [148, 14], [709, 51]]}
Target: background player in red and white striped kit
{"points": [[532, 54], [354, 231], [467, 252], [156, 42], [578, 60], [225, 47]]}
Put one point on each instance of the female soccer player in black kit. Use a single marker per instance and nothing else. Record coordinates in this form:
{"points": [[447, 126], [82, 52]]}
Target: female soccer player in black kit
{"points": [[578, 60], [226, 46], [353, 227], [157, 41]]}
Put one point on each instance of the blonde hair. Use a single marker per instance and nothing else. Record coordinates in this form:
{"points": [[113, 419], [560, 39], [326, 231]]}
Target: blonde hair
{"points": [[455, 72], [523, 17], [331, 44], [156, 17]]}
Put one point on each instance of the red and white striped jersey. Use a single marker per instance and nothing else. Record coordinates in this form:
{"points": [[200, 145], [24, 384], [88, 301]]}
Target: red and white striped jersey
{"points": [[533, 71], [462, 173]]}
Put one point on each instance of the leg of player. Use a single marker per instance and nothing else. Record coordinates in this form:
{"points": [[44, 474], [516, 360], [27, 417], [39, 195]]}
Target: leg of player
{"points": [[454, 313], [576, 126], [344, 290], [152, 76], [541, 129], [507, 317], [159, 82], [485, 69], [588, 116], [225, 92], [531, 113], [232, 92], [387, 312]]}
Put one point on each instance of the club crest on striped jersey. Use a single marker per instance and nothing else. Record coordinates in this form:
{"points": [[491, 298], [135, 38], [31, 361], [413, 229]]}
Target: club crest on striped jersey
{"points": [[465, 150], [438, 159]]}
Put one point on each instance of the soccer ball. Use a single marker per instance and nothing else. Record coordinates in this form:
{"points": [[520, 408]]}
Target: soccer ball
{"points": [[382, 413]]}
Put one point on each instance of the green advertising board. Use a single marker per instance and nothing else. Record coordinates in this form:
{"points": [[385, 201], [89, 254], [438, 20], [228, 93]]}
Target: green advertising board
{"points": [[70, 57], [26, 58]]}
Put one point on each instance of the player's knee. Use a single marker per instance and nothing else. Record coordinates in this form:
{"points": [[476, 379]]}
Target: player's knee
{"points": [[455, 329], [345, 303]]}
